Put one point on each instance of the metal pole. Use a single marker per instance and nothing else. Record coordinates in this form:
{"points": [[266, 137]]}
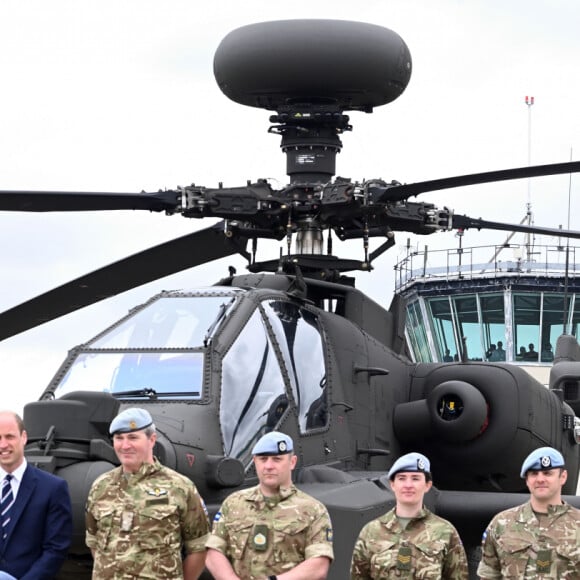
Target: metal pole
{"points": [[566, 313], [529, 104]]}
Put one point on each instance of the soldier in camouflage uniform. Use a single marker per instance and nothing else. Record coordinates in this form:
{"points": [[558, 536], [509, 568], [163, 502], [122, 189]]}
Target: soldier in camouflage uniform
{"points": [[541, 538], [141, 515], [409, 541], [272, 528]]}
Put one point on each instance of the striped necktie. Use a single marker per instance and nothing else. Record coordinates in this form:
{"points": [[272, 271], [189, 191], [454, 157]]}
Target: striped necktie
{"points": [[6, 501]]}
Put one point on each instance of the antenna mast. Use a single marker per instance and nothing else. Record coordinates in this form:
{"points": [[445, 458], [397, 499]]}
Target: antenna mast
{"points": [[529, 104]]}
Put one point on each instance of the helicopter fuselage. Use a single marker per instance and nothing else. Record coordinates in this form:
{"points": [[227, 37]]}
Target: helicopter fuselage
{"points": [[220, 366]]}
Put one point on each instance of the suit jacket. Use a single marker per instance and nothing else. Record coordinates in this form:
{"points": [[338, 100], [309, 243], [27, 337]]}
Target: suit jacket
{"points": [[40, 528]]}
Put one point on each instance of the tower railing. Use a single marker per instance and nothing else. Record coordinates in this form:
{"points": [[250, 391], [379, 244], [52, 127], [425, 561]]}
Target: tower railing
{"points": [[474, 262]]}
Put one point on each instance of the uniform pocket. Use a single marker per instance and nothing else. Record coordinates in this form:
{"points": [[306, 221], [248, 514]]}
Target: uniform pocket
{"points": [[104, 517], [569, 554], [290, 539], [384, 560], [429, 564], [514, 553], [237, 536], [158, 526]]}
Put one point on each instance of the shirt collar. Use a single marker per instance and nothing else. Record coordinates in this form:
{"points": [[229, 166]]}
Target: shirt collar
{"points": [[256, 494], [390, 518], [17, 474], [145, 470], [527, 512]]}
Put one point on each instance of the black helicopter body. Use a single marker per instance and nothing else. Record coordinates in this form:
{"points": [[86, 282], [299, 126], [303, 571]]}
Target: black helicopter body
{"points": [[292, 345]]}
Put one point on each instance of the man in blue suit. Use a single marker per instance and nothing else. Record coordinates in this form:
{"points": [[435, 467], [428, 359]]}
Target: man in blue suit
{"points": [[36, 530]]}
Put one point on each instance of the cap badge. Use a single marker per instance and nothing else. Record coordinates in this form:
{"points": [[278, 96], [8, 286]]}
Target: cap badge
{"points": [[132, 424], [420, 465], [282, 447], [545, 461]]}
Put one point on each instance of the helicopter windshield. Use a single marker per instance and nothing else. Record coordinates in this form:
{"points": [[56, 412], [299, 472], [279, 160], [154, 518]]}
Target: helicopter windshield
{"points": [[157, 350]]}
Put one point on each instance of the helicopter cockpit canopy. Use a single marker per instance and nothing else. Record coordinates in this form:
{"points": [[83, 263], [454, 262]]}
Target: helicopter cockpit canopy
{"points": [[156, 350], [263, 350]]}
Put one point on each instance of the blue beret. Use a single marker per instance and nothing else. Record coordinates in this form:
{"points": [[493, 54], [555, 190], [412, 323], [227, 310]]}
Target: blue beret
{"points": [[273, 443], [130, 420], [542, 459], [410, 462]]}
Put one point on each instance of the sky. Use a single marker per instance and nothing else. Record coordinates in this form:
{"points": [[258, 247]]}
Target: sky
{"points": [[120, 96]]}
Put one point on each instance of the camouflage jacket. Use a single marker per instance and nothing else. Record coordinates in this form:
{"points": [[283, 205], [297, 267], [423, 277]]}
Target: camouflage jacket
{"points": [[428, 547], [138, 525], [517, 544], [266, 536]]}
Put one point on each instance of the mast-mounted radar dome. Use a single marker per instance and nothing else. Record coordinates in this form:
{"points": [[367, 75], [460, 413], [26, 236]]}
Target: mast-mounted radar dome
{"points": [[345, 65]]}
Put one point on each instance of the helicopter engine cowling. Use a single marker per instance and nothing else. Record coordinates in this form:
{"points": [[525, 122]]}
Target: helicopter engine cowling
{"points": [[486, 419]]}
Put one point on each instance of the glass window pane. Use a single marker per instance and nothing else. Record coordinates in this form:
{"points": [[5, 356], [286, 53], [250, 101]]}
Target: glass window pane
{"points": [[527, 326], [167, 373], [172, 322], [555, 308], [468, 322], [253, 397], [416, 330], [493, 321], [300, 340], [442, 323]]}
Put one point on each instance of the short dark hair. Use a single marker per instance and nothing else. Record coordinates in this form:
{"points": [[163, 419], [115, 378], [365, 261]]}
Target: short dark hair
{"points": [[427, 474]]}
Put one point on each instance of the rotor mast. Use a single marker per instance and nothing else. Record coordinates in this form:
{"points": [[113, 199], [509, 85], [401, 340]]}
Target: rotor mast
{"points": [[310, 141]]}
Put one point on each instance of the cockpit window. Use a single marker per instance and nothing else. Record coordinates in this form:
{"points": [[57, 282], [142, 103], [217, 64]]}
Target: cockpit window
{"points": [[168, 374], [156, 351], [253, 398], [299, 336], [183, 322]]}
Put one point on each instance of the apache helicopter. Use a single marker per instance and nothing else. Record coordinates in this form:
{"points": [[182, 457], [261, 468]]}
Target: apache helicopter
{"points": [[292, 344]]}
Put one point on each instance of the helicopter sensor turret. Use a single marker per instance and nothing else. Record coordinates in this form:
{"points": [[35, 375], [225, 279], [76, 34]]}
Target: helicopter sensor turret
{"points": [[321, 64]]}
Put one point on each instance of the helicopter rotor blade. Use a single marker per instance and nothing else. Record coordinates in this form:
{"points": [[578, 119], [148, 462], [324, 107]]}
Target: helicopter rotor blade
{"points": [[157, 262], [464, 222], [41, 201], [401, 192]]}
